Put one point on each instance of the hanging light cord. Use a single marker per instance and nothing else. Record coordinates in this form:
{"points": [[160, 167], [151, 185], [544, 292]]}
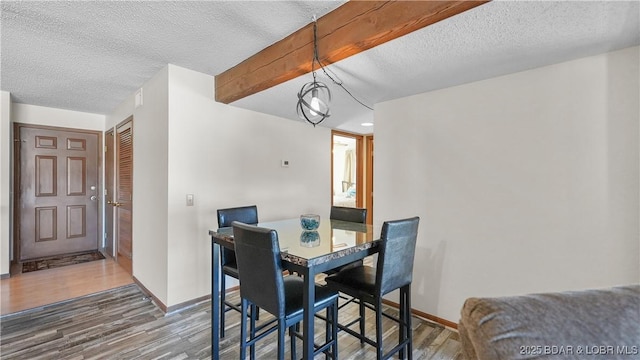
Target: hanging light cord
{"points": [[315, 58]]}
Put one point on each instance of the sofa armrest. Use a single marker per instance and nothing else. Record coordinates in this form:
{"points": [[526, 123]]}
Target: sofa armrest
{"points": [[567, 325], [468, 347]]}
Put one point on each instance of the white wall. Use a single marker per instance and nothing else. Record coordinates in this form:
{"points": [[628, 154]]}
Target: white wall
{"points": [[524, 183], [150, 151], [150, 186], [186, 143], [40, 115], [5, 182], [227, 157]]}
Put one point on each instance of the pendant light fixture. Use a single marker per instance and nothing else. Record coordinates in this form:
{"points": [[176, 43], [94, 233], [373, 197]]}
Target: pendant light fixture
{"points": [[314, 97]]}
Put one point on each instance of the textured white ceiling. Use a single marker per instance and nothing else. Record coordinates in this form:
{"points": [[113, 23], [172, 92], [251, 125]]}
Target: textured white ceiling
{"points": [[89, 56]]}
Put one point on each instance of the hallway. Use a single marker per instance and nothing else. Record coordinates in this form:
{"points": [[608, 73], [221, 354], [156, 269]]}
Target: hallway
{"points": [[38, 288]]}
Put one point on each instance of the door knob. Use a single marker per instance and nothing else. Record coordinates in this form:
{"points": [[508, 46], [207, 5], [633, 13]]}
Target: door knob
{"points": [[93, 198], [114, 203]]}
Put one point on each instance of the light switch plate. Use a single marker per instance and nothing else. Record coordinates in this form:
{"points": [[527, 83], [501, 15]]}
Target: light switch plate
{"points": [[189, 199]]}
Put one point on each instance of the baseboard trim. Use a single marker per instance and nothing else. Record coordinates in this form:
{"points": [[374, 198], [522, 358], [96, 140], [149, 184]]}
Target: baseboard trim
{"points": [[173, 308], [154, 298], [177, 307], [422, 314], [5, 276], [186, 304], [234, 288]]}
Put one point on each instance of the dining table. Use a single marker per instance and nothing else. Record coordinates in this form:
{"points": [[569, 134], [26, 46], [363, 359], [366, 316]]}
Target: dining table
{"points": [[306, 253]]}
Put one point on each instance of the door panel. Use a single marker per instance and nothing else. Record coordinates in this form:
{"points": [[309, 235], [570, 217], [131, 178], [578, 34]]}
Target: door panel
{"points": [[58, 176], [76, 176], [124, 195]]}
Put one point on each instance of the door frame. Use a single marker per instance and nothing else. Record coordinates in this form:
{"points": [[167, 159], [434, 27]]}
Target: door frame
{"points": [[109, 169], [369, 177], [16, 181]]}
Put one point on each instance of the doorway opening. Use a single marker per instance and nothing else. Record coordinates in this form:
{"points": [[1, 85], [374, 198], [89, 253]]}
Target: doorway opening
{"points": [[346, 169], [352, 171]]}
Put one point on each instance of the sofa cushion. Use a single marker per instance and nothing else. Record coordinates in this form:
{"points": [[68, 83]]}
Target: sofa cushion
{"points": [[600, 323]]}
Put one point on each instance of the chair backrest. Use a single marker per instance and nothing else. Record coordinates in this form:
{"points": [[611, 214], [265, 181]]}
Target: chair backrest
{"points": [[356, 215], [245, 214], [395, 257], [259, 267]]}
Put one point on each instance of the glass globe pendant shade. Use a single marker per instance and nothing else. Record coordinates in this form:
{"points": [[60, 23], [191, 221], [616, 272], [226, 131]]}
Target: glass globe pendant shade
{"points": [[313, 102]]}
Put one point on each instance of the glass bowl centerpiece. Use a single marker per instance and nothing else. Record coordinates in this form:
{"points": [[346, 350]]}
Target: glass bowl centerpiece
{"points": [[309, 238], [310, 222]]}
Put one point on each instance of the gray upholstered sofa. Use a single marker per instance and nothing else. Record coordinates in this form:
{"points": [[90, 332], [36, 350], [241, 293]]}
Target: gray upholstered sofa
{"points": [[591, 324]]}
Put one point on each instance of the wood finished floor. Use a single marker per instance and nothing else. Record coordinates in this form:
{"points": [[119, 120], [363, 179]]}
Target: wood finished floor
{"points": [[42, 320], [124, 324], [38, 288]]}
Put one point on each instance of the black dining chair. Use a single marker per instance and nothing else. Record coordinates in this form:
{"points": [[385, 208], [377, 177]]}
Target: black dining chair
{"points": [[263, 284], [394, 270], [355, 215], [247, 215]]}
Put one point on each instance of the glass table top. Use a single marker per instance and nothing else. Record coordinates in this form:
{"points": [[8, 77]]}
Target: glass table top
{"points": [[333, 238]]}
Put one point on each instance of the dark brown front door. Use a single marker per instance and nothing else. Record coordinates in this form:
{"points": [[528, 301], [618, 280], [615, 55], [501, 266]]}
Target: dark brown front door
{"points": [[58, 193], [124, 194]]}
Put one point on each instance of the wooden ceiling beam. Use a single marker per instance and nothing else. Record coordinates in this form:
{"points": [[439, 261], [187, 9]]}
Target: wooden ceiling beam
{"points": [[352, 28]]}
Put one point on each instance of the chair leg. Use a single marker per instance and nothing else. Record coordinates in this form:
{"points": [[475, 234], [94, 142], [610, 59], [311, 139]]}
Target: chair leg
{"points": [[379, 329], [334, 330], [294, 353], [281, 333], [362, 307], [253, 331], [327, 329], [223, 290], [404, 329], [243, 330], [409, 332], [402, 315]]}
